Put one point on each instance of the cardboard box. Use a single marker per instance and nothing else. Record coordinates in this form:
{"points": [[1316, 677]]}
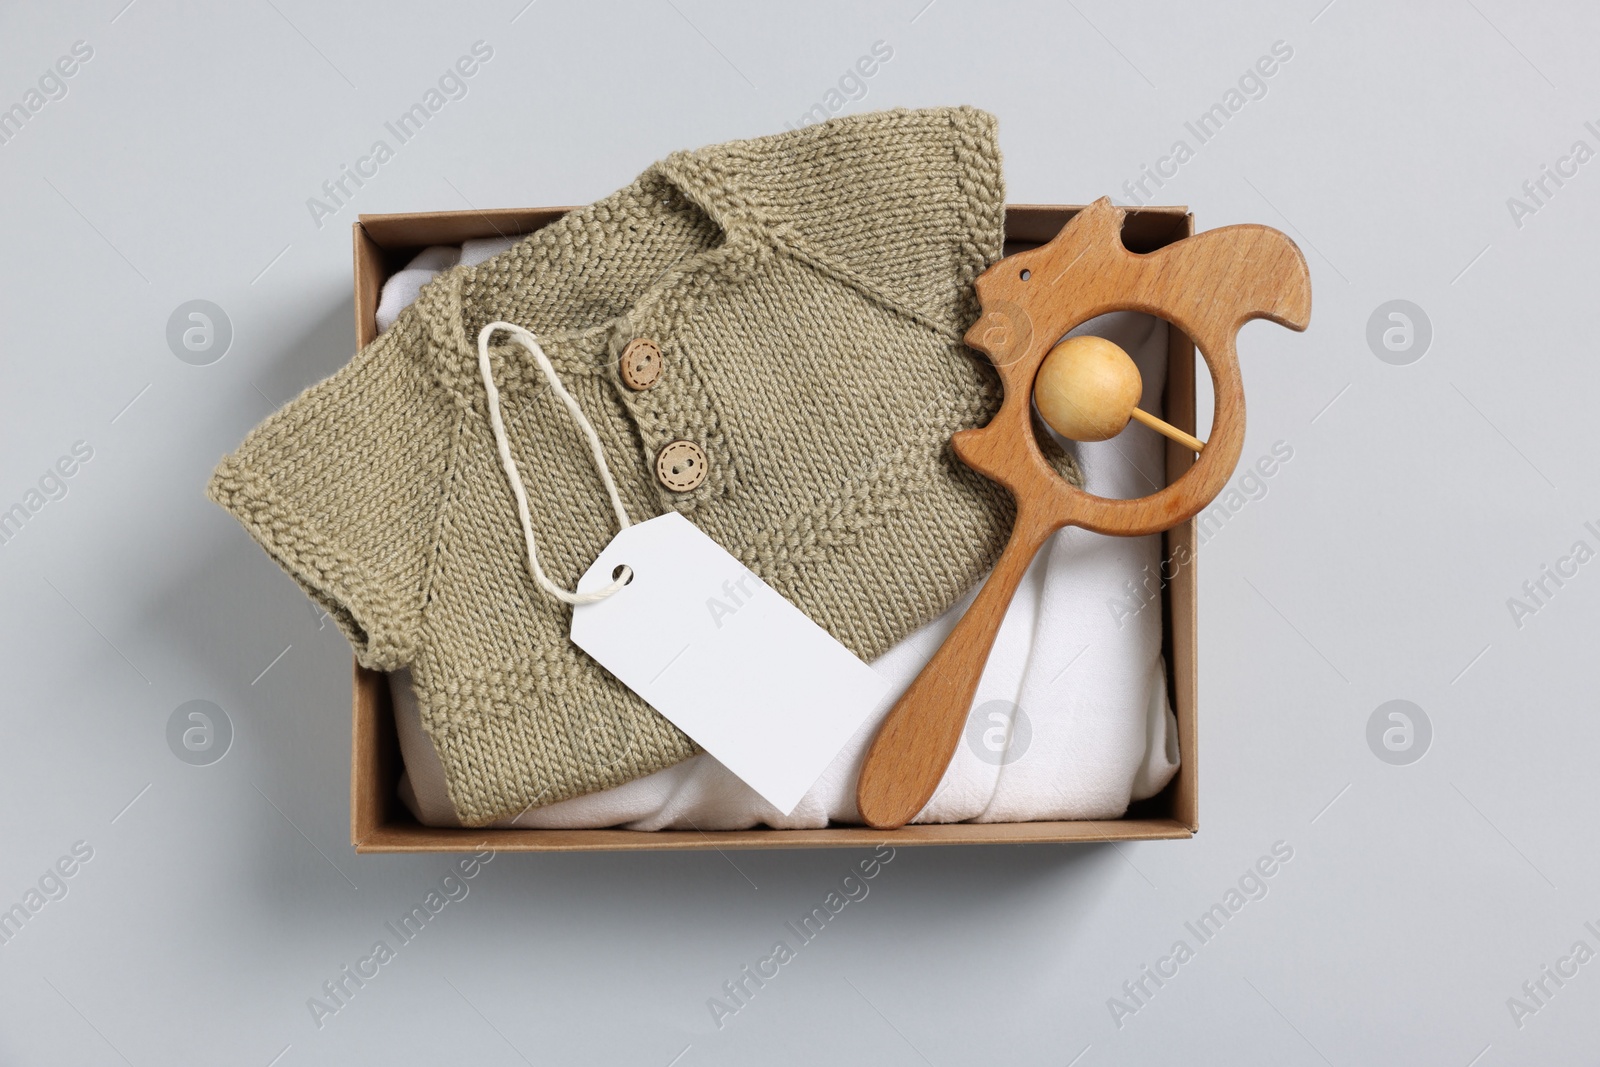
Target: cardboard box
{"points": [[379, 822]]}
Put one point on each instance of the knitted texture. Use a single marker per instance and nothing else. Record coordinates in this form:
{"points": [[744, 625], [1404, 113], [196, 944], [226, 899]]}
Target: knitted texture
{"points": [[808, 291]]}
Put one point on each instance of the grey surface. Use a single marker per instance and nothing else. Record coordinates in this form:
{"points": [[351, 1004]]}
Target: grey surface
{"points": [[1377, 567]]}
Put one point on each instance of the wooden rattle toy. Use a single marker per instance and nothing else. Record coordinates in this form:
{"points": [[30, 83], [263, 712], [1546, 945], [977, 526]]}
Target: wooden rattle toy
{"points": [[1208, 286]]}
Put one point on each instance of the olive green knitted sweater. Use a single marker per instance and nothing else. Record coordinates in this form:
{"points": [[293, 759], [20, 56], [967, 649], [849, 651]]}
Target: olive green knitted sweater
{"points": [[808, 293]]}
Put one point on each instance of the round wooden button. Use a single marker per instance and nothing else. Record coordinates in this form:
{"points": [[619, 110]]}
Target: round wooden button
{"points": [[641, 363], [681, 466]]}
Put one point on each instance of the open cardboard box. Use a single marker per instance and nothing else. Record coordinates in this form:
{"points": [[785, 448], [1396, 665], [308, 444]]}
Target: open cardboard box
{"points": [[379, 822]]}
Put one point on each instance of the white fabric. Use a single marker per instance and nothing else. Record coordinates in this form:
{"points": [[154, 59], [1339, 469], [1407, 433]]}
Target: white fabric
{"points": [[402, 288], [1076, 652]]}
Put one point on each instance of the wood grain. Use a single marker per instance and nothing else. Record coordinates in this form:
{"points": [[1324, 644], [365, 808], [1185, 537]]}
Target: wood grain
{"points": [[1208, 286]]}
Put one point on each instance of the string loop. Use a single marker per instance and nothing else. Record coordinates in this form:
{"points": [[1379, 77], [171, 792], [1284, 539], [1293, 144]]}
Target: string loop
{"points": [[509, 464]]}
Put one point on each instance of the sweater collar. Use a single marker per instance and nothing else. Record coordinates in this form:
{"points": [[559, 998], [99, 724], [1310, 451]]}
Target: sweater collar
{"points": [[580, 283]]}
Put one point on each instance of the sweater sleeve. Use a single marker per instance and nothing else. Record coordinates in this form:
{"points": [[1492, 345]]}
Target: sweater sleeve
{"points": [[343, 488], [909, 204]]}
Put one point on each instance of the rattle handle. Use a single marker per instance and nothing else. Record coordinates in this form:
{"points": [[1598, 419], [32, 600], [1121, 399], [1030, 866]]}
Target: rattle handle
{"points": [[918, 737]]}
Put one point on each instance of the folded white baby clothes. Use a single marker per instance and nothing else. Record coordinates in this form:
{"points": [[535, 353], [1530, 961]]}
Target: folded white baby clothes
{"points": [[402, 287], [1071, 718]]}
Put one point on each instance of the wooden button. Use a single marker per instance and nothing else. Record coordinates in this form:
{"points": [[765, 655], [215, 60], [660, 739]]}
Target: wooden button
{"points": [[641, 363], [681, 466]]}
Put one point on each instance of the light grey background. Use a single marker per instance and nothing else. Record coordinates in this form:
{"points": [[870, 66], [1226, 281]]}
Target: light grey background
{"points": [[1378, 567]]}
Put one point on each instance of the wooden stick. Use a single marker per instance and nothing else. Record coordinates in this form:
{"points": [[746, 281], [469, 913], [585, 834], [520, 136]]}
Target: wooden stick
{"points": [[1194, 444]]}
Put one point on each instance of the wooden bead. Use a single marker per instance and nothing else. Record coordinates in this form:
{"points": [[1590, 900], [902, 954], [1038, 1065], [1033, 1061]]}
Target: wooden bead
{"points": [[1087, 389]]}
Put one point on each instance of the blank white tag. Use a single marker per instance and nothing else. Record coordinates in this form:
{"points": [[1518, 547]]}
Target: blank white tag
{"points": [[725, 657]]}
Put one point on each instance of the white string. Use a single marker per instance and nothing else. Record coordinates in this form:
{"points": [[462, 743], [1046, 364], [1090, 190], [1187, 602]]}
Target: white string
{"points": [[509, 465]]}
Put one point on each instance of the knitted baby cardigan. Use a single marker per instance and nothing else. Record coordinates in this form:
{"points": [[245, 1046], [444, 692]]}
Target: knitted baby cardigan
{"points": [[807, 292]]}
